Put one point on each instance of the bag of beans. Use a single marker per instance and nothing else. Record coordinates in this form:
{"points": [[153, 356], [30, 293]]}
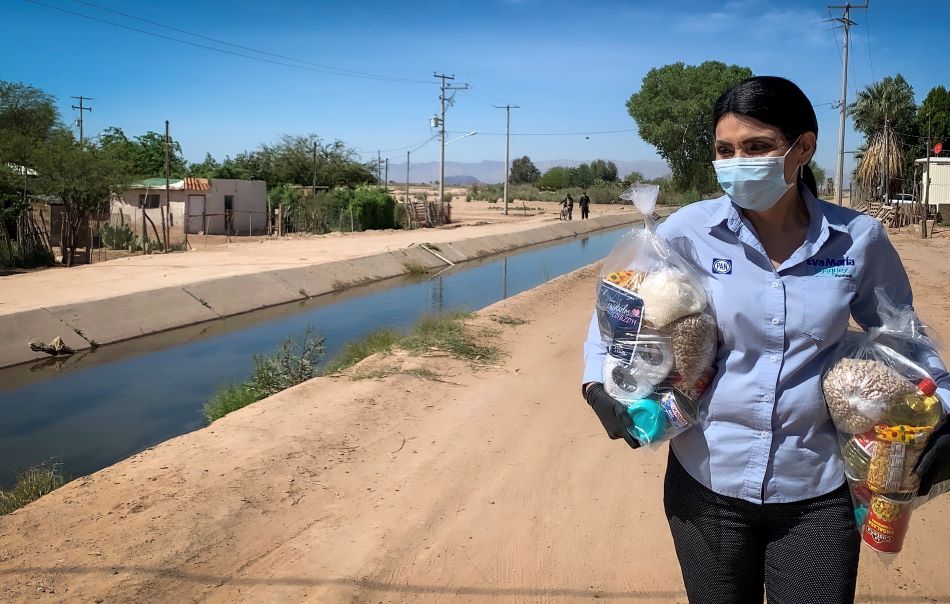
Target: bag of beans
{"points": [[657, 326], [883, 405]]}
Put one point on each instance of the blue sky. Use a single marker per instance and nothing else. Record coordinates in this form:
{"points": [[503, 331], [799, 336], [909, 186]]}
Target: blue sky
{"points": [[570, 64]]}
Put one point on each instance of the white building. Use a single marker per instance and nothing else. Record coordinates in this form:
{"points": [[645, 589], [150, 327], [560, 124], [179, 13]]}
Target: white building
{"points": [[937, 174], [216, 206]]}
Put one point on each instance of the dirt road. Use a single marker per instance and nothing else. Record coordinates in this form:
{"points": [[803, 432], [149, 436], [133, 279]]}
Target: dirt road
{"points": [[495, 485]]}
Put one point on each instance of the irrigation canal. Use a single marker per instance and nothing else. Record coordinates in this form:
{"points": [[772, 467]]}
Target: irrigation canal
{"points": [[98, 407]]}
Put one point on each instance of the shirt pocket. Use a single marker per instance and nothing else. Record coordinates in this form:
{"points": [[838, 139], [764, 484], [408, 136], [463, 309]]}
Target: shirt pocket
{"points": [[824, 308]]}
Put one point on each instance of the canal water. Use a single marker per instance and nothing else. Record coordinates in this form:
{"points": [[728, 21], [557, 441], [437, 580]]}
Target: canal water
{"points": [[94, 409]]}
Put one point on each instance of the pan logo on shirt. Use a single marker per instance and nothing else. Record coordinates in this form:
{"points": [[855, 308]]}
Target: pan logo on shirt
{"points": [[722, 266], [832, 266]]}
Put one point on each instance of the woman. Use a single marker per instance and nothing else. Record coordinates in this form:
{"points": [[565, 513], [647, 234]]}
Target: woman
{"points": [[756, 495]]}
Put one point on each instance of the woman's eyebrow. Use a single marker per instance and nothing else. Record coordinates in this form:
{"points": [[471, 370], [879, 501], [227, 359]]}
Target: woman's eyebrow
{"points": [[760, 139]]}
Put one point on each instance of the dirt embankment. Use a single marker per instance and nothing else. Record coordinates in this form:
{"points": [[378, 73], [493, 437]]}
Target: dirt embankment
{"points": [[491, 485]]}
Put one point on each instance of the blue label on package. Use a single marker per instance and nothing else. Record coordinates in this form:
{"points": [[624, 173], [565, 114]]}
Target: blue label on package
{"points": [[619, 312]]}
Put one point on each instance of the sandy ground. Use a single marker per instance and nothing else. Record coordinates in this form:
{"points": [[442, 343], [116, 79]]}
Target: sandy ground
{"points": [[492, 485], [100, 280]]}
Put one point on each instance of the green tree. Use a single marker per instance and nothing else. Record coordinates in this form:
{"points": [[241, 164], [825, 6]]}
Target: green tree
{"points": [[632, 178], [672, 111], [291, 160], [208, 168], [28, 121], [886, 113], [889, 101], [934, 113], [604, 170], [83, 177], [144, 155], [556, 178], [819, 173], [523, 171], [582, 176]]}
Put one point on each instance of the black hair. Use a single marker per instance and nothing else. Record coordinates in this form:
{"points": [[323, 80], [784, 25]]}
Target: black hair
{"points": [[777, 102]]}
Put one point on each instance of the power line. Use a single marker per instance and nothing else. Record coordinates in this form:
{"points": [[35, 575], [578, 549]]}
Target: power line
{"points": [[413, 146], [867, 28], [307, 66], [342, 70], [549, 133]]}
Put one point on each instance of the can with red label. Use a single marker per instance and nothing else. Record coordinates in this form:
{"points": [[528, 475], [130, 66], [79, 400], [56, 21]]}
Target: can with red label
{"points": [[886, 524]]}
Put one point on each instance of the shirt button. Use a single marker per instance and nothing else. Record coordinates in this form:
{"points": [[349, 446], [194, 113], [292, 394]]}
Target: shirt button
{"points": [[767, 398], [772, 358], [775, 284], [774, 321]]}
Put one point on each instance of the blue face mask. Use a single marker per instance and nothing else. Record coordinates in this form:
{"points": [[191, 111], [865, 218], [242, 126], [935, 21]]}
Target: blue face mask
{"points": [[754, 183]]}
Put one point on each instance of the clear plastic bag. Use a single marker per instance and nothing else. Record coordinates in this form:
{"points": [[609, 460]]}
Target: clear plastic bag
{"points": [[884, 408], [658, 329]]}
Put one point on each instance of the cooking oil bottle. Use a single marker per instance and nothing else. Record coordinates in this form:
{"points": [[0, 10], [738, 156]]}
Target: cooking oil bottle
{"points": [[921, 409]]}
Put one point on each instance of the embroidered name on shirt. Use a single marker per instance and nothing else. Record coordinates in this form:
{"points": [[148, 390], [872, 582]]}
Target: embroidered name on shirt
{"points": [[722, 266], [843, 261], [832, 267]]}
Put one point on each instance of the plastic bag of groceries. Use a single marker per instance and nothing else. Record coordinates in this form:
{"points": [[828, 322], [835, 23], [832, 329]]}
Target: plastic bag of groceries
{"points": [[658, 329], [884, 408]]}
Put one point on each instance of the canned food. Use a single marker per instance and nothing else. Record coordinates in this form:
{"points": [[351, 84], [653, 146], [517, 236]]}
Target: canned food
{"points": [[886, 524]]}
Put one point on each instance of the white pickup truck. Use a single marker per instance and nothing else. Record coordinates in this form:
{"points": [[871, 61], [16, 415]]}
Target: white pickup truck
{"points": [[902, 199], [903, 202]]}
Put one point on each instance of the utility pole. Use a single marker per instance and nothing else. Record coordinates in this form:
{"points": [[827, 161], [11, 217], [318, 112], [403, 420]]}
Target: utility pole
{"points": [[507, 109], [314, 153], [923, 215], [845, 20], [378, 163], [81, 108], [408, 213], [887, 165], [167, 192], [386, 179], [444, 103]]}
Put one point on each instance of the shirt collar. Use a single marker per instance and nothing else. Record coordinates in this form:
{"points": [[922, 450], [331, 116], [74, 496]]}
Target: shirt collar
{"points": [[724, 211]]}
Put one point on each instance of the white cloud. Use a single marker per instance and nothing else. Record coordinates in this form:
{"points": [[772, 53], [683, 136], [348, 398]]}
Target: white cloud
{"points": [[752, 19]]}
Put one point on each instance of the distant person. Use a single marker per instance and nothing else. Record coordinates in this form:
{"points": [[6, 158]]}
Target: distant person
{"points": [[584, 202], [569, 206], [755, 495]]}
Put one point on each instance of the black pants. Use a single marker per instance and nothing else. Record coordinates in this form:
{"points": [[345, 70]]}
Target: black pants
{"points": [[585, 212], [728, 549]]}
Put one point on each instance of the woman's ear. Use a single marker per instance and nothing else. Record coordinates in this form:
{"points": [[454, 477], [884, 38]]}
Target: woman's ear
{"points": [[807, 143]]}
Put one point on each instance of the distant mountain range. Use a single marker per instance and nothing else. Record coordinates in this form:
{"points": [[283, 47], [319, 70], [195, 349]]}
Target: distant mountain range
{"points": [[457, 173]]}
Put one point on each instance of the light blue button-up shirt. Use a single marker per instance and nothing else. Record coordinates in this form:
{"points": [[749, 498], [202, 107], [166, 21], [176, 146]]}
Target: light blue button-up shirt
{"points": [[764, 433]]}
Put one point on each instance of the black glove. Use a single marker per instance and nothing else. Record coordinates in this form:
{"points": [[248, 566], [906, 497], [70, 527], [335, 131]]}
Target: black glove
{"points": [[934, 463], [612, 414]]}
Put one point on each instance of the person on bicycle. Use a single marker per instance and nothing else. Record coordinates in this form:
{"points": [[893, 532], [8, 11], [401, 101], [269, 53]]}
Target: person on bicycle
{"points": [[568, 204]]}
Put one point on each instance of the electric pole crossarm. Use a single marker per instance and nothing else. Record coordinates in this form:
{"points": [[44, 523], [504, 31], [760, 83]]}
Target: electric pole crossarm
{"points": [[81, 108]]}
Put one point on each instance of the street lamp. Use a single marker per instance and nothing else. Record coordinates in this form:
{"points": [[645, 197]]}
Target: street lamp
{"points": [[461, 137], [442, 176]]}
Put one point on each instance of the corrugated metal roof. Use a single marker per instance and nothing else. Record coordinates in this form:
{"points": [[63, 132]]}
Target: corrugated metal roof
{"points": [[156, 183], [197, 184]]}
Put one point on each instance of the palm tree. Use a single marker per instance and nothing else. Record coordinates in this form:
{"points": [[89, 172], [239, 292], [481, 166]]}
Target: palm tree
{"points": [[884, 112]]}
